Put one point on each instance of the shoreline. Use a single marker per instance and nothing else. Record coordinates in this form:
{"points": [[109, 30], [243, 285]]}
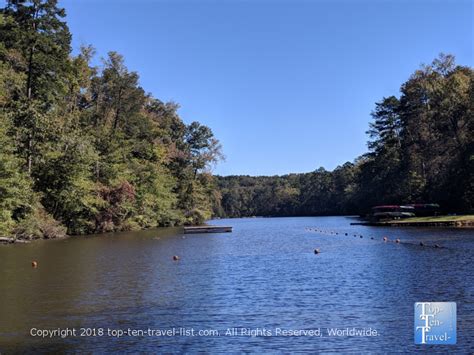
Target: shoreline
{"points": [[11, 240], [464, 221]]}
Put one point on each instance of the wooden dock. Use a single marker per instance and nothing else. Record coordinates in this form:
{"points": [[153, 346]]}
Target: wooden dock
{"points": [[402, 223], [207, 229]]}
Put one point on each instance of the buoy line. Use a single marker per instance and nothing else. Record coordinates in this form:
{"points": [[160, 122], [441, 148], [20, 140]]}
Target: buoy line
{"points": [[385, 239]]}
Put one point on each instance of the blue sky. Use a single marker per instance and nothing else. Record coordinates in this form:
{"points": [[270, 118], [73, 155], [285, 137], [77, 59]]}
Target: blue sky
{"points": [[286, 86]]}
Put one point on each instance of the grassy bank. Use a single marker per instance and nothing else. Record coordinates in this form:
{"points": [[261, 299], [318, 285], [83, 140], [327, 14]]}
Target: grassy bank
{"points": [[442, 221]]}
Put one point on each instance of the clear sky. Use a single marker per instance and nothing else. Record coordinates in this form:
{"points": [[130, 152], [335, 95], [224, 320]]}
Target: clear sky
{"points": [[286, 86]]}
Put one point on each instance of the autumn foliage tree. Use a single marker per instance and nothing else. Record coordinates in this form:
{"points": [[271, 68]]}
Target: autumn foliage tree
{"points": [[421, 150], [86, 147]]}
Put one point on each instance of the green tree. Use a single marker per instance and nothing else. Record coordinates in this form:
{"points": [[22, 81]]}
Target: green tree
{"points": [[16, 195]]}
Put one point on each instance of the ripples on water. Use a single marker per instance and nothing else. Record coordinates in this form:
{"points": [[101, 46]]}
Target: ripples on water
{"points": [[263, 275]]}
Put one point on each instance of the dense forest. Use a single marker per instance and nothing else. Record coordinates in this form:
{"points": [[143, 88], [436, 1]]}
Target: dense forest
{"points": [[84, 148], [420, 150]]}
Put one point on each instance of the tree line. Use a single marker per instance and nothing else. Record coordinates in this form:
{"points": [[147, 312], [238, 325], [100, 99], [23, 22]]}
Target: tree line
{"points": [[84, 148], [420, 150]]}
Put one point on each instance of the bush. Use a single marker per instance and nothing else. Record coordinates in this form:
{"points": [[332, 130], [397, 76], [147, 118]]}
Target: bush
{"points": [[196, 217], [39, 224]]}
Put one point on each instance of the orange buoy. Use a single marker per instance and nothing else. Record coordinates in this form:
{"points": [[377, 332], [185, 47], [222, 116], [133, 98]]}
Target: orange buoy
{"points": [[175, 257], [34, 263]]}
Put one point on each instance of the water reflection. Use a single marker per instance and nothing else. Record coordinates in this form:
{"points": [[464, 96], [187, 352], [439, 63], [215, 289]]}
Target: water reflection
{"points": [[264, 274]]}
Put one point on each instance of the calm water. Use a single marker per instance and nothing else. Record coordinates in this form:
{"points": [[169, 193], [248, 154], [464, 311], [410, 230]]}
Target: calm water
{"points": [[263, 275]]}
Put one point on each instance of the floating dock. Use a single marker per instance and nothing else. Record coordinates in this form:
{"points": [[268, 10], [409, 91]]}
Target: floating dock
{"points": [[207, 229]]}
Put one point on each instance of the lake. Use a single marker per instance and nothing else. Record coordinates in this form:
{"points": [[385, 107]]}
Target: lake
{"points": [[262, 277]]}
